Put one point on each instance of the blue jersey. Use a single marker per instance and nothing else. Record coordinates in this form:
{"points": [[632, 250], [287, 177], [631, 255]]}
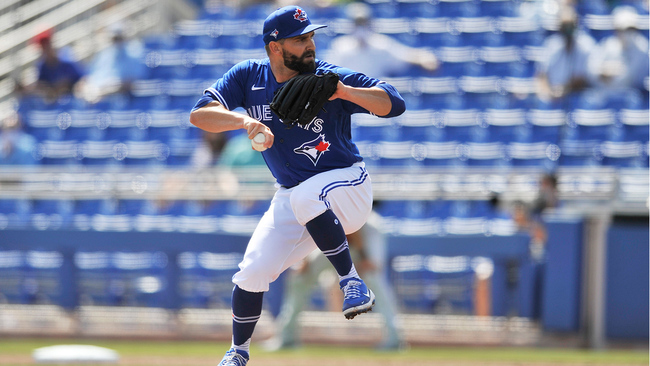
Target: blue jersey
{"points": [[300, 152]]}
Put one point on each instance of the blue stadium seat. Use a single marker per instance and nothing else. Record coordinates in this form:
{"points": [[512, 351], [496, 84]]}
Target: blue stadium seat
{"points": [[50, 152], [500, 61], [84, 125], [122, 278], [547, 125], [626, 154], [468, 217], [432, 32], [499, 8], [52, 214], [412, 9], [401, 153], [459, 8], [540, 154], [487, 154], [506, 125], [444, 153], [150, 153], [42, 124], [385, 9], [461, 125], [635, 124], [438, 92], [370, 128], [98, 152], [40, 277], [580, 153], [592, 125], [205, 278], [521, 31], [125, 125], [419, 126], [15, 213], [476, 31]]}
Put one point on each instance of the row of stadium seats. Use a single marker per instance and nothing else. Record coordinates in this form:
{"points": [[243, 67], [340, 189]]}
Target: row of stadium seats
{"points": [[118, 278], [132, 215], [141, 278], [440, 217], [413, 9]]}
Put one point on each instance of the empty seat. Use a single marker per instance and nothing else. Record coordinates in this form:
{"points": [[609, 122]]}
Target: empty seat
{"points": [[591, 124], [491, 154], [624, 154], [541, 154], [401, 153], [58, 152], [445, 153], [580, 153], [506, 125]]}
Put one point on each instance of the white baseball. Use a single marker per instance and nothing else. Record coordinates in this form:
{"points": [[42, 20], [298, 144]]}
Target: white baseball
{"points": [[258, 142]]}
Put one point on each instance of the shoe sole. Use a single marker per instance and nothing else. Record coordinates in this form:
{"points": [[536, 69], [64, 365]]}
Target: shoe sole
{"points": [[352, 312]]}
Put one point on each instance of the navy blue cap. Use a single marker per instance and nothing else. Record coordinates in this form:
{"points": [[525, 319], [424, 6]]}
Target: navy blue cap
{"points": [[287, 22]]}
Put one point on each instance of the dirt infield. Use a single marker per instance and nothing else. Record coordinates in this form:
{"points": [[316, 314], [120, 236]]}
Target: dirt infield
{"points": [[272, 360]]}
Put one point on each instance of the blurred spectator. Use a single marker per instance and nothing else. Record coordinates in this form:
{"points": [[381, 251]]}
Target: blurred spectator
{"points": [[621, 60], [238, 152], [563, 69], [16, 146], [372, 53], [113, 69], [207, 154], [369, 249], [548, 195], [57, 76]]}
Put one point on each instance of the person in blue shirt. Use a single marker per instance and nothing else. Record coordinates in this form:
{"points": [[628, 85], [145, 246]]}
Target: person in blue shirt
{"points": [[113, 69], [57, 76], [324, 191]]}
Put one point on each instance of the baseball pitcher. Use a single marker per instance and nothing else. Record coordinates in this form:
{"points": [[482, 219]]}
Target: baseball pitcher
{"points": [[301, 106]]}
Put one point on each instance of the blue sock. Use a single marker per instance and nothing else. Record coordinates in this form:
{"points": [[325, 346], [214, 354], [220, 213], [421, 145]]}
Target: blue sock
{"points": [[246, 311], [327, 232]]}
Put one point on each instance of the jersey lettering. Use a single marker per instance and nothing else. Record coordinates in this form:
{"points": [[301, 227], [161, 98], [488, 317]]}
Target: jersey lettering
{"points": [[316, 125], [260, 112]]}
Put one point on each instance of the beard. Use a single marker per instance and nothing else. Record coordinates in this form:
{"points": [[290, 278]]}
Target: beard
{"points": [[299, 64]]}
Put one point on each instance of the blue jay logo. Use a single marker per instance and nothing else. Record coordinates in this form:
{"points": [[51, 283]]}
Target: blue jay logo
{"points": [[314, 149]]}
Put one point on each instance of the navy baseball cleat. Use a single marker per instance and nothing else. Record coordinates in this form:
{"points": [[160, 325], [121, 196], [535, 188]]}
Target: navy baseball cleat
{"points": [[357, 297], [234, 358]]}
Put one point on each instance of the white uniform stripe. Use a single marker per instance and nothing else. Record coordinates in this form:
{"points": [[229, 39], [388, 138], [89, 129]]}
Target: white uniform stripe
{"points": [[244, 320], [334, 185], [217, 95], [335, 251]]}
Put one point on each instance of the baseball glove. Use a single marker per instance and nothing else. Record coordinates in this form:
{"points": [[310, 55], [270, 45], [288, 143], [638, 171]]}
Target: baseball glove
{"points": [[302, 97]]}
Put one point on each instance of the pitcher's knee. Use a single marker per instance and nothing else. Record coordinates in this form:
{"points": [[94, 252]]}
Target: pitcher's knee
{"points": [[254, 278]]}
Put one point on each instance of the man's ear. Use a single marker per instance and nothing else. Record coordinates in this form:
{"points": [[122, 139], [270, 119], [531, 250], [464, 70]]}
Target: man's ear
{"points": [[275, 47]]}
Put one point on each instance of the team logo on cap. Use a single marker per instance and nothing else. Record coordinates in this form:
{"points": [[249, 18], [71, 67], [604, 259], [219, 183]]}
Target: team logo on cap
{"points": [[275, 33], [314, 149], [300, 15]]}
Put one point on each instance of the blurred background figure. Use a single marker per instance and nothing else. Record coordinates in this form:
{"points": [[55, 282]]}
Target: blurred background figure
{"points": [[208, 152], [369, 249], [16, 146], [113, 69], [547, 196], [57, 75], [620, 60], [372, 53], [563, 69]]}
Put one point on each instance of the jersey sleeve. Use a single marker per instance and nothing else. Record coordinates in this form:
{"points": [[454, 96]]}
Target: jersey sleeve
{"points": [[359, 80], [228, 90]]}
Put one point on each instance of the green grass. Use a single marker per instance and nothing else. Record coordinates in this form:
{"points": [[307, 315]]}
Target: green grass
{"points": [[514, 355]]}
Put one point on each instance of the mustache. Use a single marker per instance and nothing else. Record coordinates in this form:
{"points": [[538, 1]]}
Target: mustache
{"points": [[308, 53]]}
